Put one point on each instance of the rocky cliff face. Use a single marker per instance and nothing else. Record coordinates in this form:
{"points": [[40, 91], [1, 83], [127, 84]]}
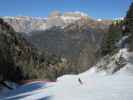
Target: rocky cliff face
{"points": [[26, 24]]}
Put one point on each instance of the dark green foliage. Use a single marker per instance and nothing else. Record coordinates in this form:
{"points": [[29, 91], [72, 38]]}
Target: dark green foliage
{"points": [[129, 26], [129, 19], [111, 38], [7, 68]]}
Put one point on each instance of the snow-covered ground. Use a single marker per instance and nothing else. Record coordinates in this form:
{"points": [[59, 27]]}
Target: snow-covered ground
{"points": [[95, 86]]}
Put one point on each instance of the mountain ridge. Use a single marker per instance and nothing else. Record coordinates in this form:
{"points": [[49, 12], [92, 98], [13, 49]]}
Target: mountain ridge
{"points": [[26, 24]]}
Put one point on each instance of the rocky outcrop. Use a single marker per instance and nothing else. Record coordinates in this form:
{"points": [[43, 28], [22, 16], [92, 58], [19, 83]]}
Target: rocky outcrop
{"points": [[112, 64]]}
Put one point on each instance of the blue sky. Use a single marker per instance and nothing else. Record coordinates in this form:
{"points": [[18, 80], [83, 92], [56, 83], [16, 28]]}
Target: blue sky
{"points": [[107, 9]]}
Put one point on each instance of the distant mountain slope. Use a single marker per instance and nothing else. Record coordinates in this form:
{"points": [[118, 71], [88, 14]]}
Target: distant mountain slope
{"points": [[28, 24], [78, 42], [72, 35]]}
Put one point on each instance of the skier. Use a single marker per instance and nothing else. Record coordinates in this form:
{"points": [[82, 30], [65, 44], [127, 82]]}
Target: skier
{"points": [[80, 81]]}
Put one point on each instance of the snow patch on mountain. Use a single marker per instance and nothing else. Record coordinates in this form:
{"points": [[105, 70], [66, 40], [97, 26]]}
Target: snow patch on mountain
{"points": [[99, 20]]}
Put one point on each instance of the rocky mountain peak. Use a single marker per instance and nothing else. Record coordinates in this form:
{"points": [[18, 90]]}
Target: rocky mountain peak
{"points": [[55, 14]]}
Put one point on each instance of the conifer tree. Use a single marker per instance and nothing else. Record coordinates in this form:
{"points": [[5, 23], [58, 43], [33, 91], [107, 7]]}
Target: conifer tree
{"points": [[129, 26], [110, 38], [129, 20]]}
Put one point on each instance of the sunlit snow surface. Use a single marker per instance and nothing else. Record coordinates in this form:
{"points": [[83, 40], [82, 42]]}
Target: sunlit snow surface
{"points": [[96, 86]]}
